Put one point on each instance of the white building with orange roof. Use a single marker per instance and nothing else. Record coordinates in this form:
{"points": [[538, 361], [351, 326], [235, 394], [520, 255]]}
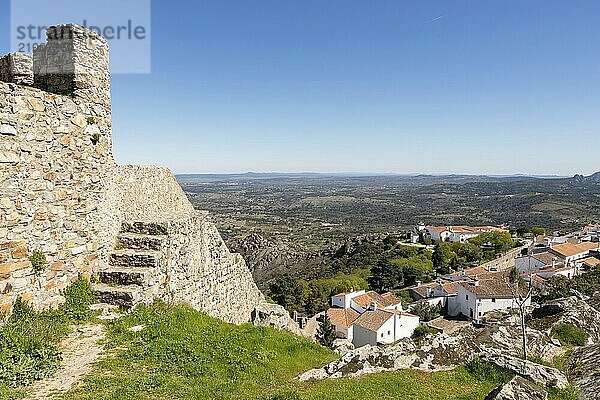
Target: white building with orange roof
{"points": [[377, 326], [570, 252], [458, 233]]}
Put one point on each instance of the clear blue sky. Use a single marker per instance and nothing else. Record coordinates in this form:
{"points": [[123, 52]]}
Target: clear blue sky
{"points": [[372, 86]]}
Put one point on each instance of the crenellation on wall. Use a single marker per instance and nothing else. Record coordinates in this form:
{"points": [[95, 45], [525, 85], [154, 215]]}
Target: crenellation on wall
{"points": [[62, 194], [16, 68]]}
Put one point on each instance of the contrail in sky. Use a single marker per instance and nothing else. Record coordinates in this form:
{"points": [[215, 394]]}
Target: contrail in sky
{"points": [[434, 19]]}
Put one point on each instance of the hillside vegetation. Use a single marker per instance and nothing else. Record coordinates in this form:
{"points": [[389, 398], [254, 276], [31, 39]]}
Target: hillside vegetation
{"points": [[183, 354]]}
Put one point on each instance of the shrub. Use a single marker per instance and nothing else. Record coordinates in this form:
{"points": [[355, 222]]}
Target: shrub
{"points": [[38, 262], [78, 298], [426, 311], [569, 334], [421, 331]]}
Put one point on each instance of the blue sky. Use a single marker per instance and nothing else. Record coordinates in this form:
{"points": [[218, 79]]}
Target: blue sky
{"points": [[346, 85]]}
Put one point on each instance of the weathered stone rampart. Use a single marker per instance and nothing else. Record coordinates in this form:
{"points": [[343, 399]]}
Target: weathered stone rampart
{"points": [[62, 195]]}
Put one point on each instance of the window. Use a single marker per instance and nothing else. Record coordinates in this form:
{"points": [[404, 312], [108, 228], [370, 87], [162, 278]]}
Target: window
{"points": [[389, 333], [381, 334], [493, 300], [466, 296]]}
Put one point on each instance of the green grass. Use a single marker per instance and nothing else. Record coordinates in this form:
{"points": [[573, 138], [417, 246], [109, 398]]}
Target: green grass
{"points": [[569, 334], [183, 354], [29, 350]]}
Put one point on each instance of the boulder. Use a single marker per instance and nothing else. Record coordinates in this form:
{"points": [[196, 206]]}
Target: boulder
{"points": [[541, 374], [518, 389], [274, 316], [342, 346]]}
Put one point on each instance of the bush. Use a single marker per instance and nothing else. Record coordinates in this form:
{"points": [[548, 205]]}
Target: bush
{"points": [[79, 296], [569, 334], [426, 311], [421, 331], [38, 262]]}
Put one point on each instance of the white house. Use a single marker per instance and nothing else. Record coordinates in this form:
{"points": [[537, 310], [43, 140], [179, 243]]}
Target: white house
{"points": [[569, 252], [383, 327], [342, 319], [342, 300], [347, 307], [365, 301], [537, 261], [490, 294], [458, 233]]}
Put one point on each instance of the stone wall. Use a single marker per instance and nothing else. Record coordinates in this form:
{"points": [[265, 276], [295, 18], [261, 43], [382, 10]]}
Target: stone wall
{"points": [[62, 194], [504, 262]]}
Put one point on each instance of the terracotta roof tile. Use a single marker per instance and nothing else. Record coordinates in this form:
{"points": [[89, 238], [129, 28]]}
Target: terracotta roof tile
{"points": [[373, 320], [342, 316], [364, 300], [569, 249]]}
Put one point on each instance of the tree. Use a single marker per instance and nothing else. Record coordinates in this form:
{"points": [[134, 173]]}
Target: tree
{"points": [[387, 275], [326, 332], [538, 231], [521, 294], [425, 311], [289, 292], [442, 254]]}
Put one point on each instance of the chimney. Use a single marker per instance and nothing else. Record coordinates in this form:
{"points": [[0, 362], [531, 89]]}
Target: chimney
{"points": [[373, 306], [418, 283], [476, 282]]}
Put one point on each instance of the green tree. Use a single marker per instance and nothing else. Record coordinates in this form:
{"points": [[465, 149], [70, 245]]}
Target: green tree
{"points": [[387, 275], [288, 292], [442, 255], [537, 231], [425, 311], [326, 332]]}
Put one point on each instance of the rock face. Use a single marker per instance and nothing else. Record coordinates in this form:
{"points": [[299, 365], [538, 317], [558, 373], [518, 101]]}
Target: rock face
{"points": [[62, 194], [437, 353], [578, 312], [585, 366], [541, 374], [274, 316], [518, 389]]}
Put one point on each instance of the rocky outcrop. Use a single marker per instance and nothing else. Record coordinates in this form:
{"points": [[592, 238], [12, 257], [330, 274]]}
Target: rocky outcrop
{"points": [[274, 316], [541, 374], [437, 353], [584, 365], [342, 346], [578, 312], [518, 389]]}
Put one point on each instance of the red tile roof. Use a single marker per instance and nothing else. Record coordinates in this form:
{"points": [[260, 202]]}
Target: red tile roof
{"points": [[342, 316]]}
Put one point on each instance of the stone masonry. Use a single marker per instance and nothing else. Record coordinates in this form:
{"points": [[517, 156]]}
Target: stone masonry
{"points": [[62, 194]]}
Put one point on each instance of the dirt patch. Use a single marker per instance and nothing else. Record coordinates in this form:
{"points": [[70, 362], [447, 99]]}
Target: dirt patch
{"points": [[80, 350]]}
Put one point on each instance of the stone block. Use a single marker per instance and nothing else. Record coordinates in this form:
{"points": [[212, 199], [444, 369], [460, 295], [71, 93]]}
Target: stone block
{"points": [[15, 266]]}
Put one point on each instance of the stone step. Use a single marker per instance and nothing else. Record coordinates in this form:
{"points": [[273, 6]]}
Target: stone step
{"points": [[138, 241], [126, 276], [144, 228], [136, 259], [122, 296]]}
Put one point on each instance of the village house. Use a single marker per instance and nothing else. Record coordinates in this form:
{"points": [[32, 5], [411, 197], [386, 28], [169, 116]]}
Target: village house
{"points": [[569, 252], [370, 318], [493, 293], [456, 233], [383, 327]]}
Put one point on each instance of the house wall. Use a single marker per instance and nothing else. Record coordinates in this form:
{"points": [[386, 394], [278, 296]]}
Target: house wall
{"points": [[528, 264], [404, 326], [363, 336], [385, 334], [453, 305]]}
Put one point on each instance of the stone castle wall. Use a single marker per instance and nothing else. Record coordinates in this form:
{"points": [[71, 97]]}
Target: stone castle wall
{"points": [[62, 194]]}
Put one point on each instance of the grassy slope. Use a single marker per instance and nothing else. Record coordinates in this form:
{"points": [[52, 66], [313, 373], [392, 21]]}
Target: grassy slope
{"points": [[183, 354]]}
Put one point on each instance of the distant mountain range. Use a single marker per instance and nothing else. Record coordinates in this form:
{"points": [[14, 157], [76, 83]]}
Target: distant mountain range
{"points": [[198, 178]]}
